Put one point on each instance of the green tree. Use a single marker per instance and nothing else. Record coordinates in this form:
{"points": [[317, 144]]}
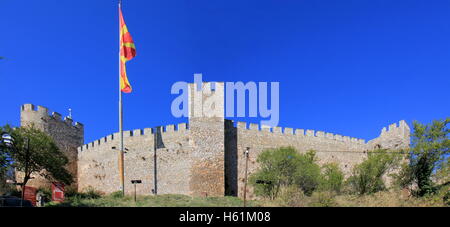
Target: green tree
{"points": [[367, 177], [285, 167], [4, 163], [307, 175], [4, 159], [277, 168], [332, 178], [442, 175], [34, 152], [429, 150]]}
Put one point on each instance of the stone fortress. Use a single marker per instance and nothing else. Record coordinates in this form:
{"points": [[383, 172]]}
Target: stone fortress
{"points": [[202, 158]]}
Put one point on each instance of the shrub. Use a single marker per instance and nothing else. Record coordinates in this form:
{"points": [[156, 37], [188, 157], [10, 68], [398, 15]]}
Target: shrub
{"points": [[46, 192], [116, 194], [446, 198], [367, 177], [91, 193], [332, 178], [264, 184], [277, 168], [404, 177], [70, 192], [12, 191], [292, 196], [307, 175], [285, 167], [323, 199], [430, 148]]}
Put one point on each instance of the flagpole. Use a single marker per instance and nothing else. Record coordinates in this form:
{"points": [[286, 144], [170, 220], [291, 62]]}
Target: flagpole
{"points": [[121, 158]]}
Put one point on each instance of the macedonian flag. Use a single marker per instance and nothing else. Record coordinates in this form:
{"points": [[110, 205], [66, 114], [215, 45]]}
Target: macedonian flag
{"points": [[127, 52]]}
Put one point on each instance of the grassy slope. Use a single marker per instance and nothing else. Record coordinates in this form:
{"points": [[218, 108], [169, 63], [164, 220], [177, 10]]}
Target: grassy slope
{"points": [[155, 201], [389, 199], [380, 199]]}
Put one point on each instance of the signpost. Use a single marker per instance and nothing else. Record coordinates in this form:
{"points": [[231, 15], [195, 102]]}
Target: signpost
{"points": [[134, 182]]}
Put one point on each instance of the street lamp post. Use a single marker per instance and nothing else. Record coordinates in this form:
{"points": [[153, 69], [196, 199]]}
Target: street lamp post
{"points": [[246, 153]]}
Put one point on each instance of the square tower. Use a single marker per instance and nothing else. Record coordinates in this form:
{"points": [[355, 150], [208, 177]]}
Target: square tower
{"points": [[66, 134], [207, 138]]}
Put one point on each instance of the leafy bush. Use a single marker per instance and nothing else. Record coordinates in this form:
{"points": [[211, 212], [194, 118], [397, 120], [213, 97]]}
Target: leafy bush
{"points": [[332, 178], [285, 167], [277, 168], [442, 175], [70, 192], [367, 177], [292, 196], [429, 152], [307, 175], [88, 193]]}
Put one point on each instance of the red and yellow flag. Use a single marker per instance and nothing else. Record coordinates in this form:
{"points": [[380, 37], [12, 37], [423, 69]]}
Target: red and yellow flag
{"points": [[127, 52]]}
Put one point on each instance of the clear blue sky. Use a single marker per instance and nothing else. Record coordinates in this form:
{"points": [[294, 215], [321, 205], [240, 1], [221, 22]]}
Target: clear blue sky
{"points": [[347, 67]]}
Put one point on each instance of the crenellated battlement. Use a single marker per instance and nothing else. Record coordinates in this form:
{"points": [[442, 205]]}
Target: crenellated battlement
{"points": [[204, 157], [297, 132], [400, 129], [395, 136], [35, 113], [136, 133]]}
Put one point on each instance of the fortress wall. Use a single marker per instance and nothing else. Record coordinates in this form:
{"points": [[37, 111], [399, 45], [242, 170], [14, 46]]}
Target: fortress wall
{"points": [[174, 165], [188, 161], [208, 158], [394, 137], [207, 140], [66, 134], [343, 150], [98, 162], [330, 148]]}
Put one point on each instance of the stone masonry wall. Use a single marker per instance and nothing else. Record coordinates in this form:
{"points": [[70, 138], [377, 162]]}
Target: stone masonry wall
{"points": [[207, 138], [98, 162], [190, 161], [395, 137], [330, 148], [202, 158], [206, 157]]}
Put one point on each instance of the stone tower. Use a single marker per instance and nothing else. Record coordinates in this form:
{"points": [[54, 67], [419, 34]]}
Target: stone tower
{"points": [[207, 138], [394, 137], [66, 134]]}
